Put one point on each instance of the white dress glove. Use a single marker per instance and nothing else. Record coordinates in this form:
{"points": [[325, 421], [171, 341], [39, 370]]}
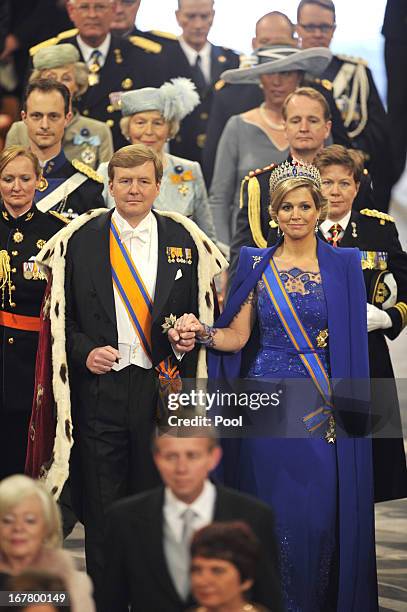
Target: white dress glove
{"points": [[377, 319]]}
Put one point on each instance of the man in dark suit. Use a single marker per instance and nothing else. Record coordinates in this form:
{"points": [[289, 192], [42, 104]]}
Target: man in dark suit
{"points": [[194, 57], [274, 28], [395, 54], [143, 567], [129, 274], [308, 124], [115, 63], [355, 94], [384, 265]]}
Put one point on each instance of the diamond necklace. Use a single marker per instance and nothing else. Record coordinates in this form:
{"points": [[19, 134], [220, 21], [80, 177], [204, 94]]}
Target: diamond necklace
{"points": [[275, 126]]}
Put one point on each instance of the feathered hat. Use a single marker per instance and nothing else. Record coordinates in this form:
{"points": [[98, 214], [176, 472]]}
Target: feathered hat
{"points": [[174, 100]]}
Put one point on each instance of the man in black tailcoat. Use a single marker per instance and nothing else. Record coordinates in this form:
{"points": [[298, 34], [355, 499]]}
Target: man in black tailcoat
{"points": [[116, 341], [144, 566]]}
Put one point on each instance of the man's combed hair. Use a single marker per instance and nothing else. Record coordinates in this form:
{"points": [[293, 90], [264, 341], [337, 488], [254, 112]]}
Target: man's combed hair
{"points": [[133, 156], [312, 94], [325, 4], [48, 86]]}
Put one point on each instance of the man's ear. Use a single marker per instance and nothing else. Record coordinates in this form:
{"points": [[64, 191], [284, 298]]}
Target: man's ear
{"points": [[357, 187], [23, 115], [328, 129], [68, 118], [110, 185]]}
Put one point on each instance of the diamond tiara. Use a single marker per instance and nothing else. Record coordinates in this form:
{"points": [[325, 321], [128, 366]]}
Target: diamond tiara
{"points": [[294, 170]]}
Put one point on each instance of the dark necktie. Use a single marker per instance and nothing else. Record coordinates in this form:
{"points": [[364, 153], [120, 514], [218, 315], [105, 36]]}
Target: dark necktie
{"points": [[94, 67], [198, 75], [335, 232]]}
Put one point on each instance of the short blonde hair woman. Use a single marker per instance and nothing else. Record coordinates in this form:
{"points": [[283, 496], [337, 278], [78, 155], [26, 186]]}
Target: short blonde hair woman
{"points": [[31, 538]]}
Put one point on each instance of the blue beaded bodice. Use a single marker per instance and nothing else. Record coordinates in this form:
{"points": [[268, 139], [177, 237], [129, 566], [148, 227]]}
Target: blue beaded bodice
{"points": [[276, 355]]}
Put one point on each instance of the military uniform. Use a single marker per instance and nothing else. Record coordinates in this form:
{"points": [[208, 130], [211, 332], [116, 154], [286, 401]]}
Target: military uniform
{"points": [[395, 55], [22, 291], [190, 140], [70, 188], [231, 100], [375, 235], [365, 119], [253, 219], [130, 64], [85, 139]]}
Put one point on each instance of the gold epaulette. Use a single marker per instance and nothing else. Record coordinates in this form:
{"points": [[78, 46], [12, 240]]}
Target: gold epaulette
{"points": [[149, 46], [53, 41], [219, 85], [260, 171], [56, 214], [377, 214], [161, 34], [90, 172], [326, 84], [351, 59]]}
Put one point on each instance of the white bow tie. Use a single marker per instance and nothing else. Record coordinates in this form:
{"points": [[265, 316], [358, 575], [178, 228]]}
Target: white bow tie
{"points": [[142, 234]]}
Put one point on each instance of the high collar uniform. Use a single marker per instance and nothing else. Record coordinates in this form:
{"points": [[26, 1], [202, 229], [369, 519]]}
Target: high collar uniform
{"points": [[20, 240]]}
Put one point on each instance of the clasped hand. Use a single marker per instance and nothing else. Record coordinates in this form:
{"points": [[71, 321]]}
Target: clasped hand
{"points": [[182, 336]]}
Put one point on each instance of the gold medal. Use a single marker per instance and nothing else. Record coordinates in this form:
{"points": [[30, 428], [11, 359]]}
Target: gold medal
{"points": [[93, 79], [40, 243], [42, 183], [18, 236], [183, 189], [127, 83], [94, 68]]}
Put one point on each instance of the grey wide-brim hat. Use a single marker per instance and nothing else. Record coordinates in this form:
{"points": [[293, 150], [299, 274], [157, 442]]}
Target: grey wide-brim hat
{"points": [[279, 58], [55, 56]]}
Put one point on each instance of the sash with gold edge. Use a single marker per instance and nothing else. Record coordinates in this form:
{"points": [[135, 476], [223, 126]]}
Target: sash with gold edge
{"points": [[302, 344], [137, 302]]}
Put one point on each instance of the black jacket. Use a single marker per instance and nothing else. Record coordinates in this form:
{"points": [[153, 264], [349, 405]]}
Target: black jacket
{"points": [[190, 140], [136, 570], [22, 238], [127, 66], [90, 309]]}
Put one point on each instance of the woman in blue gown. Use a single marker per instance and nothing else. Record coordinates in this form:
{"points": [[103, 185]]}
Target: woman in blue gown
{"points": [[300, 309]]}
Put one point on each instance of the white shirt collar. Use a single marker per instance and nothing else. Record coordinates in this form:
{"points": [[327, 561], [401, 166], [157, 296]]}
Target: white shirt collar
{"points": [[203, 506], [87, 51], [328, 223], [124, 226], [191, 53]]}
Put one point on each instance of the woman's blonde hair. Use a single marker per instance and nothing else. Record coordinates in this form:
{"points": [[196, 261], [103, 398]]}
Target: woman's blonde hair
{"points": [[173, 126], [11, 153], [81, 77], [278, 195], [15, 489]]}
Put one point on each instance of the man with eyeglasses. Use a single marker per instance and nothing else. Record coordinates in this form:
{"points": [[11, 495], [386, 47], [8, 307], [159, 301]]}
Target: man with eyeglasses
{"points": [[355, 93], [115, 63]]}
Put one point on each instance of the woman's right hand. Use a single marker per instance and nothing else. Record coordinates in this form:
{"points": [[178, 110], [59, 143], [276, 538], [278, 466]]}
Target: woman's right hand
{"points": [[189, 323]]}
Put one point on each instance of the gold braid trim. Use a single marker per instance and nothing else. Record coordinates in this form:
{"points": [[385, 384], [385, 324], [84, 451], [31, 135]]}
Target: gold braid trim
{"points": [[5, 276], [402, 308], [253, 212], [242, 184]]}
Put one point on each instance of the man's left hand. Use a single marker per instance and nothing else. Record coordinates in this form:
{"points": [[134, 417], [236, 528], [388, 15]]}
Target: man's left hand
{"points": [[182, 342], [377, 319]]}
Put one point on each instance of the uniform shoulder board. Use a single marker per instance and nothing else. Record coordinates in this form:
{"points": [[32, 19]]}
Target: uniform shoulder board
{"points": [[43, 44], [219, 85], [56, 214], [162, 34], [67, 33], [377, 214], [81, 167], [352, 59], [149, 46], [325, 83], [260, 171], [53, 41]]}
